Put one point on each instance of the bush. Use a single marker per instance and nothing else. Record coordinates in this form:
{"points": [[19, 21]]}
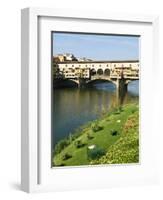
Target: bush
{"points": [[133, 111], [89, 136], [61, 145], [66, 156], [114, 132], [60, 165], [96, 127], [95, 153], [79, 144], [118, 110]]}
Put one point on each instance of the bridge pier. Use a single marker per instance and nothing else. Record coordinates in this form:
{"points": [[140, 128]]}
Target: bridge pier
{"points": [[81, 82], [121, 85]]}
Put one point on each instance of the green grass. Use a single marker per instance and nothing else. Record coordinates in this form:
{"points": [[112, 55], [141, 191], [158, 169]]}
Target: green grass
{"points": [[121, 147], [126, 149]]}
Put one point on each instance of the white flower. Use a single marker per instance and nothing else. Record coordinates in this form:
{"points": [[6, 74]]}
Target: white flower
{"points": [[91, 146]]}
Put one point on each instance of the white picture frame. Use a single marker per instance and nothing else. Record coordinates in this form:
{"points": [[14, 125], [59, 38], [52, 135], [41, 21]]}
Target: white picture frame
{"points": [[36, 172]]}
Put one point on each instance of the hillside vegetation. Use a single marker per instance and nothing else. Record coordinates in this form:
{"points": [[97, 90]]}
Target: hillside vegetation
{"points": [[126, 148], [112, 139]]}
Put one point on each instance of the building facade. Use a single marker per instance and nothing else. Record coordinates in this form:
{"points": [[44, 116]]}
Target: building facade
{"points": [[76, 69]]}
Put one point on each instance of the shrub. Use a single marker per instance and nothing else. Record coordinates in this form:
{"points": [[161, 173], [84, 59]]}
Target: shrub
{"points": [[133, 111], [118, 110], [61, 145], [114, 132], [66, 156], [95, 153], [62, 164], [96, 127], [79, 144], [89, 136]]}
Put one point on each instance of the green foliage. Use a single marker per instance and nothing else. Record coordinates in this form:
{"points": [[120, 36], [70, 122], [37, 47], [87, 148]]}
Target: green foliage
{"points": [[79, 144], [89, 136], [126, 149], [61, 145], [76, 133], [114, 132], [96, 127], [66, 156], [95, 153], [117, 110], [123, 147]]}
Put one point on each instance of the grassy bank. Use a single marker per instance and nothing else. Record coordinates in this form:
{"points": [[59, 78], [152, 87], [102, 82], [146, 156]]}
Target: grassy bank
{"points": [[111, 139]]}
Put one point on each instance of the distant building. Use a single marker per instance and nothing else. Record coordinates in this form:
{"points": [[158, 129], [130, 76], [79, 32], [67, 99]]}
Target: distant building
{"points": [[61, 57], [70, 57], [65, 57], [56, 59]]}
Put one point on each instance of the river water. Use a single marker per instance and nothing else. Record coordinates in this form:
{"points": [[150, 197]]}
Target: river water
{"points": [[73, 107]]}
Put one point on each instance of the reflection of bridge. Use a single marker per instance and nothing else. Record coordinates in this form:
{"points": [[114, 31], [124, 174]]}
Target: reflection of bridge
{"points": [[120, 73]]}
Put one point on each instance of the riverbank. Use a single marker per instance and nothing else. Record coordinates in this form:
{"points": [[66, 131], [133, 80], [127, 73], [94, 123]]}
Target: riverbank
{"points": [[112, 139]]}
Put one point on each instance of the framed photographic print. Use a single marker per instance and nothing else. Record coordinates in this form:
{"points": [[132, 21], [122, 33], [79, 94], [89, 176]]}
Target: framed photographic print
{"points": [[88, 86]]}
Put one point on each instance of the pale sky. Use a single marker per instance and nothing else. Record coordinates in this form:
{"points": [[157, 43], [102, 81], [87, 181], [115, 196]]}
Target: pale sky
{"points": [[97, 47]]}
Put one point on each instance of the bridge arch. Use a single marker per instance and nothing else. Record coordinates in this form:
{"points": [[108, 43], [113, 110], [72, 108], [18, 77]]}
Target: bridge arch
{"points": [[100, 72], [73, 80], [107, 72], [92, 72], [100, 81]]}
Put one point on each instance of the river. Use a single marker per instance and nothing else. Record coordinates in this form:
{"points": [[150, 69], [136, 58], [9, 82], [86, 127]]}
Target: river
{"points": [[73, 107]]}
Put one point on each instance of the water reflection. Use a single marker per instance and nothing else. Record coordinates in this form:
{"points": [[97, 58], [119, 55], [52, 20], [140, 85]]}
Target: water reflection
{"points": [[73, 107]]}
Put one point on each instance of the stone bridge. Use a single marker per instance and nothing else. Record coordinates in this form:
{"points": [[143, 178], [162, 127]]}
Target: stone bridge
{"points": [[120, 82], [120, 73]]}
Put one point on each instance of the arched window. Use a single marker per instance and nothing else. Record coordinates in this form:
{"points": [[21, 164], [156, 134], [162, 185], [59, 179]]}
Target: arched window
{"points": [[92, 72], [100, 72], [107, 72]]}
